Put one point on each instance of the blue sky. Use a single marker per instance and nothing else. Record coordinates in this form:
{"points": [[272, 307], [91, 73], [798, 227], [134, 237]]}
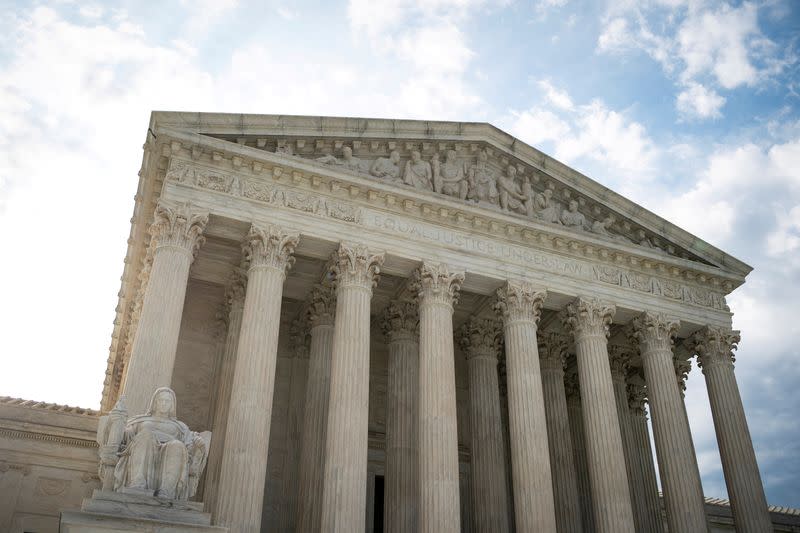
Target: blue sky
{"points": [[688, 107]]}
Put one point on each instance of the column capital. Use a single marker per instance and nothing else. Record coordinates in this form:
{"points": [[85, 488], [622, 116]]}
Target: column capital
{"points": [[178, 226], [236, 289], [321, 305], [355, 264], [588, 316], [519, 300], [714, 346], [437, 283], [269, 246], [299, 338], [654, 331], [480, 337], [637, 396], [572, 385], [400, 320], [682, 369], [552, 350], [619, 357]]}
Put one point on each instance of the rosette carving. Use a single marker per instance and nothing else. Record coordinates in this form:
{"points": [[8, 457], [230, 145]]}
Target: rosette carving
{"points": [[400, 319], [654, 331], [436, 283], [479, 337], [519, 300], [355, 264], [552, 350], [269, 246], [714, 346], [180, 226], [588, 316], [322, 305]]}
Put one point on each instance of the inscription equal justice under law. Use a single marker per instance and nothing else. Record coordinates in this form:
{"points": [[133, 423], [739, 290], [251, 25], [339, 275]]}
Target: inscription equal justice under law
{"points": [[474, 244]]}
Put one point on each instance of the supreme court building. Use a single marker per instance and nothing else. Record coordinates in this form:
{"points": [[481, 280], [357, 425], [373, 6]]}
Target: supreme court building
{"points": [[417, 326]]}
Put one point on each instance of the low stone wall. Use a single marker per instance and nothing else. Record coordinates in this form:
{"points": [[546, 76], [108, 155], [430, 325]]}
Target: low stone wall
{"points": [[48, 463]]}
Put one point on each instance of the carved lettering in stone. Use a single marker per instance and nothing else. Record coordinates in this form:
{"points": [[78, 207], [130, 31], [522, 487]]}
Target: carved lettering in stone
{"points": [[342, 211], [302, 202], [607, 274], [634, 280]]}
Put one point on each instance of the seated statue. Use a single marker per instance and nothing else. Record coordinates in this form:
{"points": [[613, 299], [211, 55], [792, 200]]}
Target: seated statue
{"points": [[511, 195], [418, 172], [157, 454], [481, 180], [603, 227], [448, 178], [572, 217], [545, 208], [387, 168]]}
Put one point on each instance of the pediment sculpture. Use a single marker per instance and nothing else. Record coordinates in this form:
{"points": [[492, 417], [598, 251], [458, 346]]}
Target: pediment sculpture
{"points": [[152, 454]]}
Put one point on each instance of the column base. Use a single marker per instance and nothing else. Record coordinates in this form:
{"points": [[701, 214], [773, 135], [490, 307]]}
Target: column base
{"points": [[107, 512]]}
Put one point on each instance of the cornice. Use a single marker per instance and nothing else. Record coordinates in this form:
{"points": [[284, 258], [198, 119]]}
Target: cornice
{"points": [[370, 130]]}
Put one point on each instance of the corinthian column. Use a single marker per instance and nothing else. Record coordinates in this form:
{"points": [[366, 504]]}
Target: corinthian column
{"points": [[269, 252], [552, 349], [176, 235], [519, 304], [480, 344], [578, 436], [437, 291], [619, 356], [680, 478], [294, 424], [234, 295], [649, 512], [611, 501], [400, 327], [714, 347], [344, 500], [322, 306]]}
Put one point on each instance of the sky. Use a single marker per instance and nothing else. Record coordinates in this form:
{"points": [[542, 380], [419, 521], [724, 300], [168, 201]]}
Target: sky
{"points": [[689, 107]]}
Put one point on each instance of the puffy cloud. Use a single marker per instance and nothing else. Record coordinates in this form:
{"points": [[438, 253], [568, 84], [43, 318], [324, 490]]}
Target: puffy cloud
{"points": [[697, 101]]}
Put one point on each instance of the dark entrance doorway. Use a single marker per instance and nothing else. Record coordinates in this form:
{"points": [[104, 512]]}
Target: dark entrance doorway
{"points": [[377, 523]]}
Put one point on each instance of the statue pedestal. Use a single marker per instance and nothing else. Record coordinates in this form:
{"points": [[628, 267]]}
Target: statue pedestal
{"points": [[108, 512]]}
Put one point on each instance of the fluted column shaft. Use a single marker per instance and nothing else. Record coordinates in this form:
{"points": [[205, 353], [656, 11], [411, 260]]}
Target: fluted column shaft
{"points": [[176, 237], [294, 422], [519, 305], [579, 449], [344, 500], [235, 297], [401, 328], [611, 501], [244, 463], [649, 515], [312, 453], [552, 349], [749, 504], [437, 290], [680, 478], [619, 357], [480, 344]]}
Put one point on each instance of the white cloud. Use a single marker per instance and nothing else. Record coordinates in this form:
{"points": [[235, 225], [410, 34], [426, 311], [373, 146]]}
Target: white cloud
{"points": [[285, 13], [697, 101], [555, 96], [202, 14], [701, 44]]}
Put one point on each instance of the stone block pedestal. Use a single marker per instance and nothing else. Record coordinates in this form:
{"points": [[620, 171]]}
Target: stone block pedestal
{"points": [[107, 512]]}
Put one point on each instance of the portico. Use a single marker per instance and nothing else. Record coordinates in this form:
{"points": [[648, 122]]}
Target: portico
{"points": [[363, 332]]}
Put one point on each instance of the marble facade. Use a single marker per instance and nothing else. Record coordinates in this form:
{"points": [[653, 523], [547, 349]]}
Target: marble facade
{"points": [[422, 326]]}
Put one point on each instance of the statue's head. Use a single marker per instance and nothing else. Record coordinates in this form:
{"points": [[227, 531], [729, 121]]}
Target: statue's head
{"points": [[415, 155], [162, 403], [347, 152], [450, 157], [573, 206], [394, 156], [511, 171]]}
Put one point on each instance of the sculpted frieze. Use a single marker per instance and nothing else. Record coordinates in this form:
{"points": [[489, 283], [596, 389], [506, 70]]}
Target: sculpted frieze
{"points": [[257, 189], [492, 184]]}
